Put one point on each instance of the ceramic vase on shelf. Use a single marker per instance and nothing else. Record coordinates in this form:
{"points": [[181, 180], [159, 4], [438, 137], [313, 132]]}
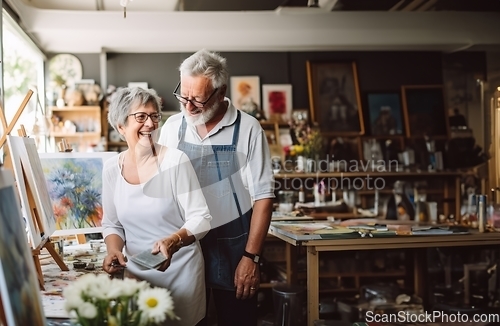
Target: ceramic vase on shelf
{"points": [[60, 100], [301, 164]]}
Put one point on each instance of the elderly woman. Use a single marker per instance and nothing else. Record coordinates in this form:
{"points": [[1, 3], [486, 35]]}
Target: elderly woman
{"points": [[152, 201]]}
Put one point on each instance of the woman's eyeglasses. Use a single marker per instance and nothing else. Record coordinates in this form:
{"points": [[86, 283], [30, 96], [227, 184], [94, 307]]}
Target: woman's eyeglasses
{"points": [[141, 117], [195, 103]]}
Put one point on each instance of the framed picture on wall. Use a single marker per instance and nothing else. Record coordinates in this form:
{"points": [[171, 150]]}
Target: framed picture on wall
{"points": [[424, 111], [245, 93], [277, 102], [334, 97], [384, 112]]}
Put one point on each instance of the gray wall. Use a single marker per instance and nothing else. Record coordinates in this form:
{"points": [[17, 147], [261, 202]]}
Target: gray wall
{"points": [[377, 71]]}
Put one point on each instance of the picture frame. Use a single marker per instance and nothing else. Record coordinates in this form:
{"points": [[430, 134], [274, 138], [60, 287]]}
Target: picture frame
{"points": [[424, 111], [334, 97], [385, 116], [245, 93], [20, 298], [272, 132], [277, 102], [74, 178]]}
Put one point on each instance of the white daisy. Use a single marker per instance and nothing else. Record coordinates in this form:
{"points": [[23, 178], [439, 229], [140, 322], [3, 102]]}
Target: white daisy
{"points": [[87, 310], [156, 304]]}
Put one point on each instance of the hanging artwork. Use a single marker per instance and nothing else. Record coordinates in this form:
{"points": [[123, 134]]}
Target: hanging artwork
{"points": [[29, 176], [74, 183], [19, 291], [277, 102], [334, 97], [384, 111], [245, 93], [424, 111]]}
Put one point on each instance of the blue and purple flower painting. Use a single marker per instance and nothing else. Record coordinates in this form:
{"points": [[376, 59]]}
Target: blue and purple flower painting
{"points": [[75, 187]]}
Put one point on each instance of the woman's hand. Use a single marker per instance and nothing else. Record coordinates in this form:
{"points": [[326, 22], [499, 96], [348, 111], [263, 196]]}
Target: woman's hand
{"points": [[114, 262], [167, 246]]}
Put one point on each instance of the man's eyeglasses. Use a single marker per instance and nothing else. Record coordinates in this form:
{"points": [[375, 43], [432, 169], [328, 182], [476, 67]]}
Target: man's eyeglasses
{"points": [[141, 117], [185, 100]]}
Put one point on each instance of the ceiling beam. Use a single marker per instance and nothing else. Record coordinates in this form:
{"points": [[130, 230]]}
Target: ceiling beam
{"points": [[286, 29]]}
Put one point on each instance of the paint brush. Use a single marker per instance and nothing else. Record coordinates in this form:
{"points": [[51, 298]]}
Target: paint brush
{"points": [[116, 264]]}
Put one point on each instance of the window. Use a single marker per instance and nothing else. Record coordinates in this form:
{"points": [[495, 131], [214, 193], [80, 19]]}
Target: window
{"points": [[23, 70]]}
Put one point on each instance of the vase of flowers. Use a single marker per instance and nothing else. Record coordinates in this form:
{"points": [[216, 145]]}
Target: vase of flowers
{"points": [[97, 300], [307, 142]]}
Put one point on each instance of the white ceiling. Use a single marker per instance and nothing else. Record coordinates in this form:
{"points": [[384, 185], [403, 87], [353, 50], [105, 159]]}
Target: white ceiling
{"points": [[156, 26]]}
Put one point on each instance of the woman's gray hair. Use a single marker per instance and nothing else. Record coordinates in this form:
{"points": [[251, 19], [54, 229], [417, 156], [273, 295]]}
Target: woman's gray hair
{"points": [[208, 64], [125, 99]]}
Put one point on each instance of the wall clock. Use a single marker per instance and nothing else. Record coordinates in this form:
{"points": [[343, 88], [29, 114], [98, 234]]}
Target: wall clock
{"points": [[65, 69]]}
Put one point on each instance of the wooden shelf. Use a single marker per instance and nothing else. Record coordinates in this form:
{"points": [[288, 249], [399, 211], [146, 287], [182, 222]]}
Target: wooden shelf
{"points": [[117, 143], [75, 108], [76, 134], [86, 118], [443, 187], [321, 175], [362, 274], [269, 285]]}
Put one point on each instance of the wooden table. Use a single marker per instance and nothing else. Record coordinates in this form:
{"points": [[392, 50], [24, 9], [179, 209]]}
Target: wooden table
{"points": [[314, 247]]}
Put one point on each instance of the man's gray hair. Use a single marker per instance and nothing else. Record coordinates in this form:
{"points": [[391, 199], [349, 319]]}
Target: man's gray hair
{"points": [[208, 64]]}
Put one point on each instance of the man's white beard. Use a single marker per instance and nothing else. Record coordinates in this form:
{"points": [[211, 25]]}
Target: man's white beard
{"points": [[202, 118]]}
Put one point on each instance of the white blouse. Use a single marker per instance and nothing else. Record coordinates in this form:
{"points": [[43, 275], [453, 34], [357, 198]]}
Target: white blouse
{"points": [[144, 213]]}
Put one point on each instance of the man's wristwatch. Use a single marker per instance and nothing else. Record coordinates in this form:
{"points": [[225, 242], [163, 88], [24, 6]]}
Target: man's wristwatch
{"points": [[254, 258]]}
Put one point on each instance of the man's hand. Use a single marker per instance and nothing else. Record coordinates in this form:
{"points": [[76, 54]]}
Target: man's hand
{"points": [[246, 278]]}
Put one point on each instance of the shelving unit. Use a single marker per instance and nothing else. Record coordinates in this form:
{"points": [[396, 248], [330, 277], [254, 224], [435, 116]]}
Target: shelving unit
{"points": [[443, 186], [79, 125]]}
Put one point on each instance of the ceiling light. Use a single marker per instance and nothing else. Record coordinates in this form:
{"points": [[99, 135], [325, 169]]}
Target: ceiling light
{"points": [[124, 3]]}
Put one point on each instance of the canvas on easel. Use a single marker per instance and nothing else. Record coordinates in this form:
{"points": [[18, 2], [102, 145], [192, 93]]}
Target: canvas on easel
{"points": [[19, 292], [34, 226], [34, 211], [27, 168], [74, 182]]}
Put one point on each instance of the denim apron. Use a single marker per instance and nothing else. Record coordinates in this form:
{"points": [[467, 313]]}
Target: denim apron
{"points": [[223, 246]]}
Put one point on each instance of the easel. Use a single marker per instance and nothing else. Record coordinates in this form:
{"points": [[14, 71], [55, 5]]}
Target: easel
{"points": [[45, 243]]}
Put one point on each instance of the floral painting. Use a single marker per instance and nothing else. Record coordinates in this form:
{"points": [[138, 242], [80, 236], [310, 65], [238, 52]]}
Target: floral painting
{"points": [[74, 181], [277, 102]]}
